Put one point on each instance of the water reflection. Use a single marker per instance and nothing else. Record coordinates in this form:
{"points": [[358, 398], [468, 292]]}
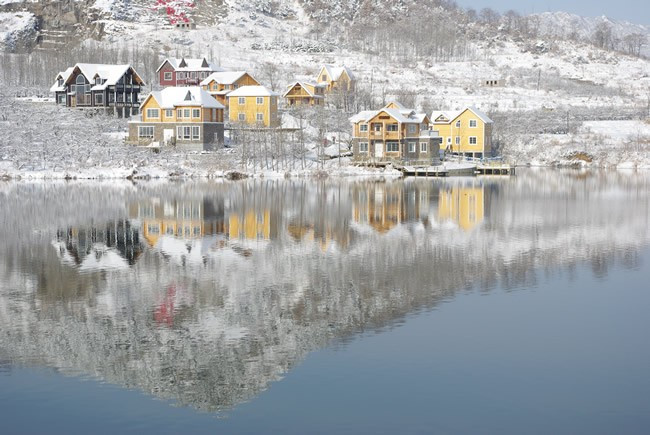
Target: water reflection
{"points": [[206, 292]]}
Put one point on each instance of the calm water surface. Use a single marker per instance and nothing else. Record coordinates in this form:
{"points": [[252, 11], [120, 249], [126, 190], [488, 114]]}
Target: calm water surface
{"points": [[478, 305]]}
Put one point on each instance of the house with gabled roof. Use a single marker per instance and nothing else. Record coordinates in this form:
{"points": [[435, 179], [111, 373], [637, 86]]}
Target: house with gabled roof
{"points": [[467, 131], [185, 72], [305, 93], [220, 84], [186, 117], [114, 88], [336, 78], [394, 133], [254, 106]]}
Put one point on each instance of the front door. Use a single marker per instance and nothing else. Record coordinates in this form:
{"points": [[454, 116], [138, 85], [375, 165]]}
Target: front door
{"points": [[168, 134], [73, 100], [379, 149]]}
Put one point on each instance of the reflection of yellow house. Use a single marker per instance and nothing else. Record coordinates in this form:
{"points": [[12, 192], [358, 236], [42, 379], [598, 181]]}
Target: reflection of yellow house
{"points": [[379, 205], [181, 219], [251, 225], [462, 205]]}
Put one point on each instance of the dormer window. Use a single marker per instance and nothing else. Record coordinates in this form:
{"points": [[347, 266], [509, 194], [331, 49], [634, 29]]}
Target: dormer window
{"points": [[59, 81], [458, 124], [98, 80]]}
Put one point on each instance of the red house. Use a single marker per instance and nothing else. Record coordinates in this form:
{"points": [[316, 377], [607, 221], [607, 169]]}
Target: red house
{"points": [[185, 72]]}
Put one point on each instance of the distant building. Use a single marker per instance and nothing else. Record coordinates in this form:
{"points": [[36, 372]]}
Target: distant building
{"points": [[468, 131], [394, 133], [492, 83], [304, 93], [114, 88], [336, 78], [220, 84], [185, 72], [186, 117], [254, 106]]}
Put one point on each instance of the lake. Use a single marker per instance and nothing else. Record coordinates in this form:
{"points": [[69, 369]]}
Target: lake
{"points": [[484, 305]]}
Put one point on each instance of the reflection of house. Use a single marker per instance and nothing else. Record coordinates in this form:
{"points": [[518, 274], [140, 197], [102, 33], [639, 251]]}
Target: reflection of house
{"points": [[304, 93], [394, 133], [114, 88], [220, 84], [184, 116], [378, 205], [250, 225], [463, 205], [468, 131], [115, 245], [179, 219]]}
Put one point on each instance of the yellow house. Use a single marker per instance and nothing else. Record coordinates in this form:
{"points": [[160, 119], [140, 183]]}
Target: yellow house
{"points": [[463, 205], [179, 116], [220, 84], [468, 131], [305, 93], [254, 105], [336, 78]]}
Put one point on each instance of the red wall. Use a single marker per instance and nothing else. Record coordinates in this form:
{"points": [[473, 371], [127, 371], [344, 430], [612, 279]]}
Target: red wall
{"points": [[161, 78]]}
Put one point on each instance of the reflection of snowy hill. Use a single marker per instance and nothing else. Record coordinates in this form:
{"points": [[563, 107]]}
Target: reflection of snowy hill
{"points": [[212, 321]]}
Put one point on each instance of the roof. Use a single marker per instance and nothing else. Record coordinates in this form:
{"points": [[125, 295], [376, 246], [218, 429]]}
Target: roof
{"points": [[305, 84], [110, 74], [190, 64], [401, 115], [224, 77], [452, 115], [172, 97], [252, 91], [335, 72], [64, 75]]}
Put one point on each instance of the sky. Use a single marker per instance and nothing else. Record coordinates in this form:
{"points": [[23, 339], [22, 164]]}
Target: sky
{"points": [[634, 11]]}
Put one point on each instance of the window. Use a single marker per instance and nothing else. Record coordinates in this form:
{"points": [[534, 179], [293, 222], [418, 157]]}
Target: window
{"points": [[192, 75], [449, 140], [242, 101], [472, 140], [196, 113], [363, 127], [129, 97], [153, 229], [179, 132], [472, 123], [80, 80], [412, 128], [187, 131], [99, 99], [363, 147], [98, 80], [186, 113], [242, 117], [153, 113], [179, 113], [60, 98], [458, 124], [423, 147], [196, 132], [457, 140], [391, 127], [392, 147], [411, 147], [377, 127], [180, 75], [145, 132], [323, 78], [169, 113], [260, 101], [260, 117], [168, 76]]}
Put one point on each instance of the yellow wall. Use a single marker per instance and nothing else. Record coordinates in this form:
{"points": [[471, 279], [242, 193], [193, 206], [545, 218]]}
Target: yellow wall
{"points": [[250, 226], [462, 205], [250, 108], [297, 95], [482, 132], [245, 80], [206, 115], [344, 82]]}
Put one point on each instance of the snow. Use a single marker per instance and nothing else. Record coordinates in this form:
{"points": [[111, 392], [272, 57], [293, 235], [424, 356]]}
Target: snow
{"points": [[15, 26], [172, 97], [191, 65], [223, 77], [252, 91]]}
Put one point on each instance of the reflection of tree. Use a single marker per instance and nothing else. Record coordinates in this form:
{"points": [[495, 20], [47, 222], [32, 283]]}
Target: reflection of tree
{"points": [[215, 330]]}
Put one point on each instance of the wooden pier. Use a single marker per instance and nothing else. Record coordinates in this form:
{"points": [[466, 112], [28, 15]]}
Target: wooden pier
{"points": [[495, 168], [451, 169]]}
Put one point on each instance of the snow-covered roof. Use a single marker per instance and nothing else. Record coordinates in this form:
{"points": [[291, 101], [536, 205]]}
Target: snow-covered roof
{"points": [[184, 64], [224, 77], [401, 115], [452, 115], [172, 97], [335, 72], [305, 85], [110, 75], [252, 91]]}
